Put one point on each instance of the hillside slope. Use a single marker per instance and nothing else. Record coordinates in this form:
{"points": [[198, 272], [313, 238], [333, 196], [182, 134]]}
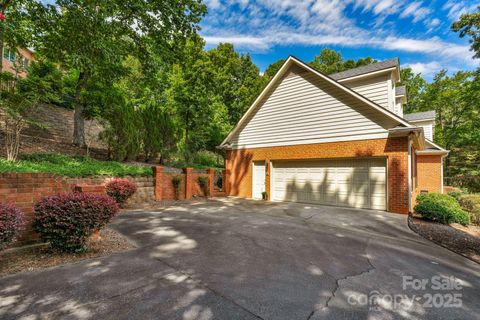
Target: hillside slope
{"points": [[57, 136]]}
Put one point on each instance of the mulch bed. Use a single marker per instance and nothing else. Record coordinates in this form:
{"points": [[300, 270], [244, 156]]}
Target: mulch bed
{"points": [[457, 238], [37, 257]]}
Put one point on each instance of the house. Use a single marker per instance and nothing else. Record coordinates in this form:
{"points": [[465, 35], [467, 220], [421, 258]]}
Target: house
{"points": [[19, 58], [339, 140]]}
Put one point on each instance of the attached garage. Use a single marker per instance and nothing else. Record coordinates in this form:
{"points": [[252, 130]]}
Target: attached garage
{"points": [[359, 183]]}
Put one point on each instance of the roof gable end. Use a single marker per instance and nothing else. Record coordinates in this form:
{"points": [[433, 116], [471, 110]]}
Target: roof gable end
{"points": [[364, 105]]}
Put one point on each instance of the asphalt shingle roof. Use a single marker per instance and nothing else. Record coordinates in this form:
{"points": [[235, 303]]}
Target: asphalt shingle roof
{"points": [[419, 116], [365, 69], [400, 91]]}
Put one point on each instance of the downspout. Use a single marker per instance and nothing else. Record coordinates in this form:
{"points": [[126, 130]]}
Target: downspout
{"points": [[441, 170], [409, 173]]}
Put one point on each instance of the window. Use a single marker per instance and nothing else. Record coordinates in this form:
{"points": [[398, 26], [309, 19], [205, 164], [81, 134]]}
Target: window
{"points": [[9, 54], [6, 53], [25, 62]]}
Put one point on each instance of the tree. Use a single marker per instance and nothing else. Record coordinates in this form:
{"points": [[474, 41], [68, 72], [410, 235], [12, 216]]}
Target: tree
{"points": [[273, 68], [95, 39], [191, 95], [330, 61], [237, 80], [15, 107], [415, 86], [469, 25]]}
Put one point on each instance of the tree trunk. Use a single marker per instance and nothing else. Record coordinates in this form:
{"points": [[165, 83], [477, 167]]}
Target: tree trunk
{"points": [[79, 117]]}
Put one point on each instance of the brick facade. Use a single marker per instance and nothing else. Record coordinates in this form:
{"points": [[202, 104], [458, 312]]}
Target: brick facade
{"points": [[428, 174], [395, 150], [189, 187]]}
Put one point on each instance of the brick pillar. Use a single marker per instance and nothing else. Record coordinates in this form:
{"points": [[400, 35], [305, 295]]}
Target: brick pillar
{"points": [[188, 182], [211, 181], [157, 178], [226, 181]]}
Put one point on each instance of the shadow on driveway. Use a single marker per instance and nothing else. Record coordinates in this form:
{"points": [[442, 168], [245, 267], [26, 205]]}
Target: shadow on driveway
{"points": [[240, 259]]}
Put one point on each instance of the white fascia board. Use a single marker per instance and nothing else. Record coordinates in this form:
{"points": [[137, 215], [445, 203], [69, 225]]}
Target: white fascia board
{"points": [[280, 73]]}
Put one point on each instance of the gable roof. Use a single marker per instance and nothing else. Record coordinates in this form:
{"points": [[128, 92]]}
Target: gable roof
{"points": [[400, 91], [432, 149], [420, 116], [294, 61], [386, 64]]}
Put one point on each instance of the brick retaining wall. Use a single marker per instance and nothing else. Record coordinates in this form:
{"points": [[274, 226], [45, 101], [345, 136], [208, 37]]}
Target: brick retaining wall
{"points": [[25, 189]]}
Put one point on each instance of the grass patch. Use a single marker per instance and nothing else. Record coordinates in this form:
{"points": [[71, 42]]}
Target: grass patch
{"points": [[72, 166]]}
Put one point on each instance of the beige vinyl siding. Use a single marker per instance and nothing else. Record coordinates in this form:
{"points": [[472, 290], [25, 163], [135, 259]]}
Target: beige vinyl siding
{"points": [[304, 109], [376, 89], [427, 128]]}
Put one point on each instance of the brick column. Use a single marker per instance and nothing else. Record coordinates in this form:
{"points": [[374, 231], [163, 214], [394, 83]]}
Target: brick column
{"points": [[226, 181], [157, 178], [188, 182], [211, 181]]}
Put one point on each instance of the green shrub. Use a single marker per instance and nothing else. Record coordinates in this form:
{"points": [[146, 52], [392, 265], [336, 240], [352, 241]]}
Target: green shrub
{"points": [[441, 208], [455, 194], [203, 183], [207, 158], [471, 204], [177, 182]]}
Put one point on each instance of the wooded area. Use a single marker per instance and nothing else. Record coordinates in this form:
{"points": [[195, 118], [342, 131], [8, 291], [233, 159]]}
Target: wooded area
{"points": [[142, 69]]}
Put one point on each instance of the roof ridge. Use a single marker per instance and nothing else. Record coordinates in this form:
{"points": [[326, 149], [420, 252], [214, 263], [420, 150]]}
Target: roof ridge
{"points": [[372, 67]]}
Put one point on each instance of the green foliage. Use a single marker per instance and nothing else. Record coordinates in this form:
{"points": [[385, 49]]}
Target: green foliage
{"points": [[72, 166], [330, 61], [96, 39], [469, 25], [455, 194], [471, 204], [441, 208], [415, 86], [203, 183], [177, 183], [456, 101], [208, 159], [45, 78]]}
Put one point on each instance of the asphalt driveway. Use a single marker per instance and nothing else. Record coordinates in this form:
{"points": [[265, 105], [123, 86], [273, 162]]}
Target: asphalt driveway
{"points": [[239, 259]]}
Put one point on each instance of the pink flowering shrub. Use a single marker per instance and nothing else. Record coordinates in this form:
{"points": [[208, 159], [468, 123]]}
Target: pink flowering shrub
{"points": [[67, 220], [10, 223], [120, 190]]}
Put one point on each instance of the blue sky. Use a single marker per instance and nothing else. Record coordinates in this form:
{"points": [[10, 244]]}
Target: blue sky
{"points": [[418, 32]]}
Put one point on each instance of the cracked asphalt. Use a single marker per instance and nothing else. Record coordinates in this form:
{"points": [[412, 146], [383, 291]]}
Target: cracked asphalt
{"points": [[241, 259]]}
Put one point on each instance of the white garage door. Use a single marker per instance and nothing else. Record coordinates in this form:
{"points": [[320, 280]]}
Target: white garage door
{"points": [[359, 183]]}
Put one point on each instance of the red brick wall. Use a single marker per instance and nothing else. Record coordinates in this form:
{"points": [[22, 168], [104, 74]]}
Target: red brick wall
{"points": [[429, 173], [238, 164], [25, 189], [189, 186]]}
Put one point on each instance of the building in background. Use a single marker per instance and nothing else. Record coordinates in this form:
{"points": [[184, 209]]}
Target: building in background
{"points": [[20, 58]]}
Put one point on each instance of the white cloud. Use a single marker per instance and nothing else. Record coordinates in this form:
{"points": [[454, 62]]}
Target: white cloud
{"points": [[263, 24], [426, 69], [415, 10], [457, 8]]}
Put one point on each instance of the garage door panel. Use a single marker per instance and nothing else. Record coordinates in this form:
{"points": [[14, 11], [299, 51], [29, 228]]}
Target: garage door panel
{"points": [[357, 183]]}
